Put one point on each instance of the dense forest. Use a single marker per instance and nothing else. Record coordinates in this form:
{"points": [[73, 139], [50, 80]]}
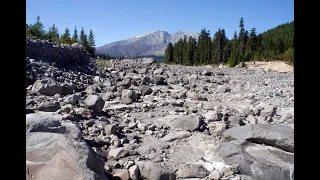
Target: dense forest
{"points": [[37, 30], [274, 44]]}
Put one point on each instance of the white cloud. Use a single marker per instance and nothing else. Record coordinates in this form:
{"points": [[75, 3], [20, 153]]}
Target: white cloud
{"points": [[93, 28]]}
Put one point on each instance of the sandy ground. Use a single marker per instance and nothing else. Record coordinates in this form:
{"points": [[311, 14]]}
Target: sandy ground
{"points": [[274, 65]]}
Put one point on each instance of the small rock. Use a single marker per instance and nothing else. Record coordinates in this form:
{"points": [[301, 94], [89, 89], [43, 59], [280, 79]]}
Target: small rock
{"points": [[252, 119], [213, 116], [268, 111], [134, 172], [215, 175], [123, 174], [145, 90], [107, 96], [142, 127], [118, 153], [149, 132], [223, 89], [227, 171], [110, 129]]}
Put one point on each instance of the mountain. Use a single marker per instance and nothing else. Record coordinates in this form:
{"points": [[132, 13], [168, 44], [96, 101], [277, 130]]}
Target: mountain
{"points": [[153, 43]]}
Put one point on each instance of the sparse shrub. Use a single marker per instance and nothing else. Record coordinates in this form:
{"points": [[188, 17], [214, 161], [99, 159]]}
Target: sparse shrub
{"points": [[103, 63]]}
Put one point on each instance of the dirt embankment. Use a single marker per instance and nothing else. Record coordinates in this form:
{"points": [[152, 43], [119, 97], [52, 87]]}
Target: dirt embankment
{"points": [[279, 66]]}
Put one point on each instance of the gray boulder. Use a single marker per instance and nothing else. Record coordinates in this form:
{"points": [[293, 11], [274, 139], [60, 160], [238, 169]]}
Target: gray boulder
{"points": [[72, 99], [223, 89], [279, 136], [213, 116], [48, 87], [49, 106], [151, 171], [175, 135], [128, 96], [55, 151], [145, 90], [191, 122], [67, 88], [268, 111], [95, 103], [44, 123], [107, 96], [256, 161], [192, 171]]}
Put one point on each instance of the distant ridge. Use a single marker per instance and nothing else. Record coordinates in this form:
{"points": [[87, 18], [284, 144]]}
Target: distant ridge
{"points": [[153, 43]]}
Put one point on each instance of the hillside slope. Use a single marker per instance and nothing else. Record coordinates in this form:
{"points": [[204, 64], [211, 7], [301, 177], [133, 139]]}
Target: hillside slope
{"points": [[153, 43]]}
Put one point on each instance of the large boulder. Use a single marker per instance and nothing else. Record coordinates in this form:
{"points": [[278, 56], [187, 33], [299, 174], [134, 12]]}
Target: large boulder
{"points": [[128, 96], [95, 103], [48, 87], [55, 151], [48, 106], [176, 135], [151, 171], [256, 161], [73, 99], [279, 136], [191, 122], [44, 123], [192, 171]]}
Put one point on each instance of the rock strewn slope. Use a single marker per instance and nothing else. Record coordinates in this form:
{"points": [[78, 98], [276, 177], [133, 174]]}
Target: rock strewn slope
{"points": [[146, 120]]}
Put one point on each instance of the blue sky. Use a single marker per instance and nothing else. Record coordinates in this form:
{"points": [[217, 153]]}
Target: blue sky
{"points": [[113, 20]]}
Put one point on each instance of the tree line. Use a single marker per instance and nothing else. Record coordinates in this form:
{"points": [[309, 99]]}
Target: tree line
{"points": [[37, 30], [274, 44]]}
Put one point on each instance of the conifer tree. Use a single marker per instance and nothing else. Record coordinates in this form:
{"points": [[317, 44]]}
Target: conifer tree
{"points": [[233, 59], [53, 33], [65, 38], [242, 41], [27, 30], [204, 47], [191, 47], [37, 29], [168, 56], [184, 50], [91, 43], [75, 37]]}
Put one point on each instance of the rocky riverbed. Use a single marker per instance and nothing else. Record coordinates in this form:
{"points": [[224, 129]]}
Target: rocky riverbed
{"points": [[145, 120]]}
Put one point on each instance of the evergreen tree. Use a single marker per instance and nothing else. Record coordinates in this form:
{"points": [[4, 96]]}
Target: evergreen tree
{"points": [[251, 44], [184, 50], [223, 43], [178, 52], [37, 29], [91, 43], [196, 57], [65, 38], [242, 40], [168, 56], [191, 47], [83, 37], [233, 59], [75, 37], [204, 47], [53, 33], [27, 30], [91, 39], [216, 51], [84, 41]]}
